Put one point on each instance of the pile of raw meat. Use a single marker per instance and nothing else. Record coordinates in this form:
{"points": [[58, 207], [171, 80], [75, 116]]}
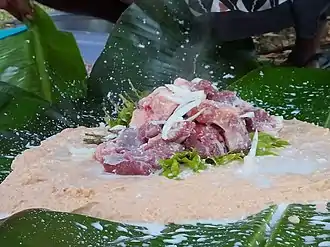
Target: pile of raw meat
{"points": [[180, 116]]}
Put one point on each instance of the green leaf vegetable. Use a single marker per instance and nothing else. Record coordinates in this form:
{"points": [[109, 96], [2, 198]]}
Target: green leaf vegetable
{"points": [[267, 143], [124, 113], [173, 166], [190, 159], [225, 159]]}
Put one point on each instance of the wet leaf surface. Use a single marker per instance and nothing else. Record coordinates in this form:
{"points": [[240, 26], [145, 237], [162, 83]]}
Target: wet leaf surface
{"points": [[42, 82], [156, 42], [152, 44], [302, 225], [45, 228], [283, 225], [292, 93]]}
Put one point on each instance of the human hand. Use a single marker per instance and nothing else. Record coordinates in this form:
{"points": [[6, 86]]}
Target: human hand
{"points": [[19, 8]]}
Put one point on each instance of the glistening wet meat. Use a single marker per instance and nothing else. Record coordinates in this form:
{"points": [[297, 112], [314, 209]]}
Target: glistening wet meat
{"points": [[207, 140], [183, 116], [156, 106], [227, 118], [181, 131], [148, 131], [128, 155]]}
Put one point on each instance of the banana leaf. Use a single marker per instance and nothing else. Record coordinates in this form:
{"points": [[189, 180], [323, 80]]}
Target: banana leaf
{"points": [[298, 93], [42, 81], [283, 225], [43, 61], [146, 50], [156, 41]]}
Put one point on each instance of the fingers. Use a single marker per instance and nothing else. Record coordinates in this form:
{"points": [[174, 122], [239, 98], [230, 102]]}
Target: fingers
{"points": [[19, 8], [24, 8]]}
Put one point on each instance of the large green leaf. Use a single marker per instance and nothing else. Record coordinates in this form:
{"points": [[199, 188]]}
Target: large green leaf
{"points": [[43, 61], [157, 41], [292, 93], [302, 225], [42, 84], [26, 119], [146, 48], [61, 229], [293, 225]]}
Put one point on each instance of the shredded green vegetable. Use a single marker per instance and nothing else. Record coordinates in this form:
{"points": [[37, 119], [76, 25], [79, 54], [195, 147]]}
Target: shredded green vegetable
{"points": [[190, 159], [225, 159], [125, 112], [267, 143]]}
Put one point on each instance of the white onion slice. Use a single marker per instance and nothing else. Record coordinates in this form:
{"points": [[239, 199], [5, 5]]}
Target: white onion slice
{"points": [[249, 160], [193, 117], [247, 115], [254, 144], [117, 128], [177, 89], [183, 97], [196, 80], [198, 95], [177, 115], [176, 99]]}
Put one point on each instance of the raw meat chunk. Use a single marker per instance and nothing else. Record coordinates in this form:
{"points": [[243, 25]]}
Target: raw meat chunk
{"points": [[156, 106], [180, 131], [207, 140], [148, 131], [220, 123], [127, 155], [227, 118], [263, 121]]}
